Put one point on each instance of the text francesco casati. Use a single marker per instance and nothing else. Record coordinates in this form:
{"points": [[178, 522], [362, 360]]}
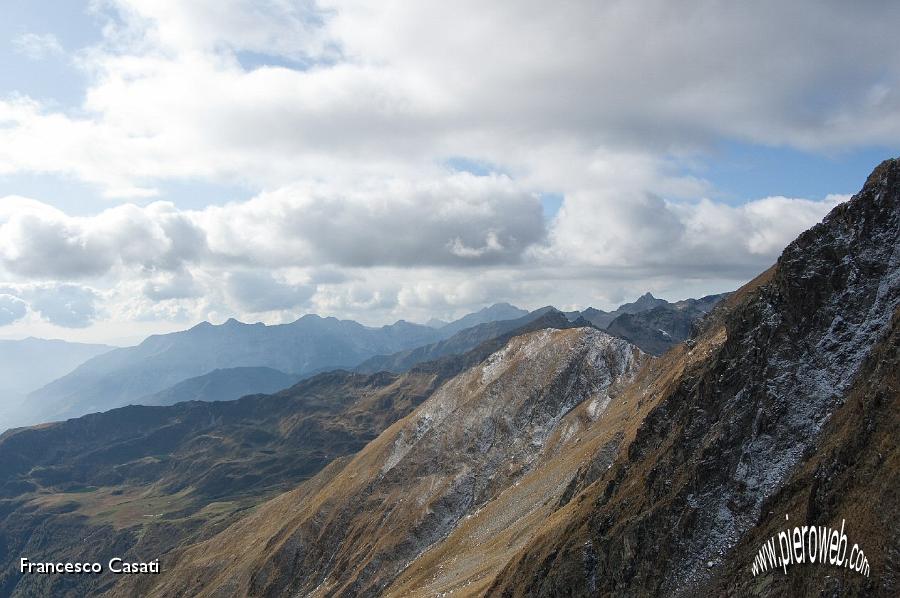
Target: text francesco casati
{"points": [[115, 565]]}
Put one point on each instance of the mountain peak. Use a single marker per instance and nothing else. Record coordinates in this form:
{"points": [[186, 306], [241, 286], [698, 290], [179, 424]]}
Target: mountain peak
{"points": [[885, 174], [492, 313], [500, 305]]}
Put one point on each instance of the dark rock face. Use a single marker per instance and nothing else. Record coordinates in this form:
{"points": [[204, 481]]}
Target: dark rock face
{"points": [[657, 330], [728, 437], [853, 476], [645, 302], [654, 325]]}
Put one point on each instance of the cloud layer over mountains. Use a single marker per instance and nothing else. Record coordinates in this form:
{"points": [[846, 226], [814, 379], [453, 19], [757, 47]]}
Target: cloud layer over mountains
{"points": [[348, 128]]}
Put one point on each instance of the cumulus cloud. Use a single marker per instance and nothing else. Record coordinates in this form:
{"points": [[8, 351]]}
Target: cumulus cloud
{"points": [[291, 28], [39, 241], [388, 249], [458, 220], [650, 236], [390, 222], [65, 305], [179, 284]]}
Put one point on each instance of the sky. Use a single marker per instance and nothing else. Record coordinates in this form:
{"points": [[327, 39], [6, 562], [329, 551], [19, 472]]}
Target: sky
{"points": [[164, 162]]}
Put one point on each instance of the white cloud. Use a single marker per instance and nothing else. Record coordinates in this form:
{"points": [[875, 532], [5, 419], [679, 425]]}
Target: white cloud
{"points": [[63, 305], [37, 46], [66, 305], [39, 241], [279, 27], [178, 284], [391, 253], [649, 236], [393, 222]]}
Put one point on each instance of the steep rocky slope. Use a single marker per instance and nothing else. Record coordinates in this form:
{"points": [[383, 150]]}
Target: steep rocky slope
{"points": [[475, 437], [854, 476], [716, 455]]}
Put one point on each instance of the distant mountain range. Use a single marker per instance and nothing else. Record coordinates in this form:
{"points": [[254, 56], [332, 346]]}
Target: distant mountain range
{"points": [[661, 325], [124, 376], [654, 325], [494, 313], [222, 362], [227, 361]]}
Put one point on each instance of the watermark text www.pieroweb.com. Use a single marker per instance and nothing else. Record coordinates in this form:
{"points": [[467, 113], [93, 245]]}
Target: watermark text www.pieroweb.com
{"points": [[809, 544]]}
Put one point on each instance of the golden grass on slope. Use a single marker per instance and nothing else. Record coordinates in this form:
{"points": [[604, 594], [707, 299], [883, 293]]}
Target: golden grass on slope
{"points": [[109, 505], [231, 558]]}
